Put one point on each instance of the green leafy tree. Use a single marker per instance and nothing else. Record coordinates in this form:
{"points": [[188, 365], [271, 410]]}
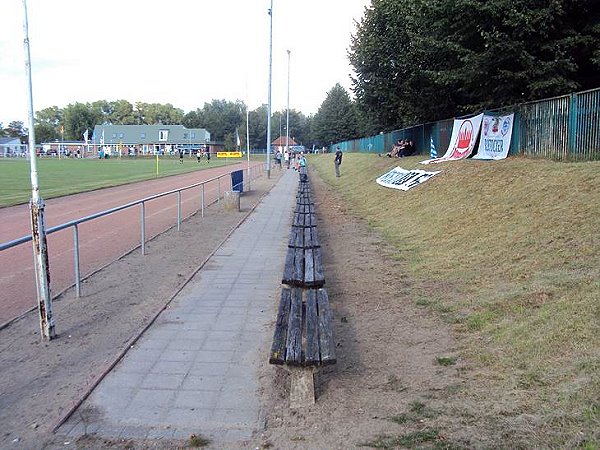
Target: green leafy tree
{"points": [[44, 132], [336, 119], [16, 128], [420, 60], [78, 117], [51, 116]]}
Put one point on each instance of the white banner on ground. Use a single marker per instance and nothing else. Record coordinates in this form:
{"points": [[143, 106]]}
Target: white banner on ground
{"points": [[496, 133], [399, 178], [462, 142]]}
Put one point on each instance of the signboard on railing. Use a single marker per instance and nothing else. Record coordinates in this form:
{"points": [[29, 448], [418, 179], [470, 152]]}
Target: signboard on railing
{"points": [[229, 154], [496, 133], [462, 142]]}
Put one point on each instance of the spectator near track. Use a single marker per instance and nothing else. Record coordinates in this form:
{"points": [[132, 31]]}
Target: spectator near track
{"points": [[337, 162]]}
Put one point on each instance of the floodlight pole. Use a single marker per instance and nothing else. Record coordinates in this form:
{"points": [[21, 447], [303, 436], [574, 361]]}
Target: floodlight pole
{"points": [[38, 232], [287, 119], [269, 97]]}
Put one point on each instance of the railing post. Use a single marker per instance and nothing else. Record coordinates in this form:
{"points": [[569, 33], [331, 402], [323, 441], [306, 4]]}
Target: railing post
{"points": [[76, 260], [218, 190], [178, 210], [202, 200], [143, 225]]}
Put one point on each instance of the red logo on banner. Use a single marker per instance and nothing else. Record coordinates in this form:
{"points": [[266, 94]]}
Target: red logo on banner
{"points": [[465, 134]]}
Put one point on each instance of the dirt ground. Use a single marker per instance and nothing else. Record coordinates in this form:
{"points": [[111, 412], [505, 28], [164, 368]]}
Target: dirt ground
{"points": [[399, 381]]}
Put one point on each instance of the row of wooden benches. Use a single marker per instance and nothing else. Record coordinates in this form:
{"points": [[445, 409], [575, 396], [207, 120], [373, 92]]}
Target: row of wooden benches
{"points": [[303, 337]]}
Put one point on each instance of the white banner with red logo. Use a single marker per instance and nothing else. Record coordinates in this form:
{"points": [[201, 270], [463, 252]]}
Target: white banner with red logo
{"points": [[496, 133], [462, 142], [399, 178]]}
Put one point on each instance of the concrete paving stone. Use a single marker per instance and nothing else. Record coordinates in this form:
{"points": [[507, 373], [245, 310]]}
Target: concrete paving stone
{"points": [[145, 343], [224, 336], [171, 367], [162, 381], [237, 400], [178, 356], [186, 417], [196, 399], [134, 432], [237, 417], [115, 397], [232, 323], [202, 383], [214, 356], [138, 366], [218, 345], [200, 368], [160, 433], [152, 398], [186, 344], [194, 335], [242, 383]]}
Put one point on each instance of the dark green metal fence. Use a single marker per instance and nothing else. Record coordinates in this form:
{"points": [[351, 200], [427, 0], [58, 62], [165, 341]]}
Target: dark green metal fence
{"points": [[565, 128]]}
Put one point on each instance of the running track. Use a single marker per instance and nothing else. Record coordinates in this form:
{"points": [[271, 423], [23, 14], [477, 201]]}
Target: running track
{"points": [[101, 240]]}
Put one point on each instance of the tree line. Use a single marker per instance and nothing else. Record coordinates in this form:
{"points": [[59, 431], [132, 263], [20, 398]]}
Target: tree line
{"points": [[415, 61], [222, 118]]}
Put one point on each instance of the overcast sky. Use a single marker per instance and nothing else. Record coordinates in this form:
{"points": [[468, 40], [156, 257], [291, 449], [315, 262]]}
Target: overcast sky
{"points": [[184, 52]]}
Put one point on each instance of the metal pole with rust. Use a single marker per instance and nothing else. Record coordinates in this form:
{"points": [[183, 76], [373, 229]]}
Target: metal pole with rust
{"points": [[38, 231]]}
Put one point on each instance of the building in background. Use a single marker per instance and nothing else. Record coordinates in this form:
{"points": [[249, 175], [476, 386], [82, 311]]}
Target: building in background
{"points": [[11, 146], [148, 139]]}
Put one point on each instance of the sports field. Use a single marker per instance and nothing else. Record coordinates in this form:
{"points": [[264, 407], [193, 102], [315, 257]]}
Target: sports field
{"points": [[64, 176]]}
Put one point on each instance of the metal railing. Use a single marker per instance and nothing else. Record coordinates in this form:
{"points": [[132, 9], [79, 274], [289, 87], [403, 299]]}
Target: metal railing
{"points": [[251, 174]]}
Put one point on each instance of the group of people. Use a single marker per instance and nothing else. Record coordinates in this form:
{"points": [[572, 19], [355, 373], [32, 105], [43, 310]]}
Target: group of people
{"points": [[290, 159], [401, 148]]}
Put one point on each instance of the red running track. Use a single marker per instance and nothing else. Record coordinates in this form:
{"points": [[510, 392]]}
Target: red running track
{"points": [[102, 240]]}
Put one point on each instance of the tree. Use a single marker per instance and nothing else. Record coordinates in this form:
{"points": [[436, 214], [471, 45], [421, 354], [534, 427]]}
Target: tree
{"points": [[16, 129], [78, 117], [44, 132], [336, 118], [417, 61]]}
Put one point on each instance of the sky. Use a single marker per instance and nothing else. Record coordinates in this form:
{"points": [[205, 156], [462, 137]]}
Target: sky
{"points": [[183, 52]]}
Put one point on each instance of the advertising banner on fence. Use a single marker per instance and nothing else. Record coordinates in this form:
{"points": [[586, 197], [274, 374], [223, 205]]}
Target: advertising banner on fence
{"points": [[399, 178], [462, 142], [496, 133], [229, 154]]}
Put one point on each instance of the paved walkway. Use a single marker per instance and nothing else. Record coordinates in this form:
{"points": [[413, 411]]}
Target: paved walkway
{"points": [[195, 371]]}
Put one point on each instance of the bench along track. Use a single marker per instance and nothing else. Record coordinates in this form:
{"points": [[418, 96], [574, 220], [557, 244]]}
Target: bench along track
{"points": [[303, 338]]}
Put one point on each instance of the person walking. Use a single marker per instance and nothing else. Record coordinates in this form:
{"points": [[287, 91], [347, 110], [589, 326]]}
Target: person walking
{"points": [[338, 162], [208, 155], [180, 156], [198, 156]]}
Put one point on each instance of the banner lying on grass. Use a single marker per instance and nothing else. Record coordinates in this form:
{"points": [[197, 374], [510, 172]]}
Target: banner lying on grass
{"points": [[399, 178], [496, 133], [464, 136]]}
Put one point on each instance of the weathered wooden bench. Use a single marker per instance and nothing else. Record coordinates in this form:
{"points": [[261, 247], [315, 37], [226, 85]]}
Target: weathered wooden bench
{"points": [[303, 340], [303, 267]]}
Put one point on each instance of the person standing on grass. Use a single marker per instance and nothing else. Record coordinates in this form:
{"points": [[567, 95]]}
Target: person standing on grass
{"points": [[180, 156], [198, 156], [208, 155], [337, 162]]}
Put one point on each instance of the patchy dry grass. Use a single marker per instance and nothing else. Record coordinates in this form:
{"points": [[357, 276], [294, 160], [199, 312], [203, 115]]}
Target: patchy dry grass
{"points": [[509, 253]]}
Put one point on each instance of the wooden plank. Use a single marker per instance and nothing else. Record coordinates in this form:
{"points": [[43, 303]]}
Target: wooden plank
{"points": [[293, 352], [298, 277], [299, 237], [288, 269], [316, 242], [308, 243], [319, 277], [309, 268], [277, 355], [298, 220], [292, 237], [326, 341], [311, 353], [310, 220]]}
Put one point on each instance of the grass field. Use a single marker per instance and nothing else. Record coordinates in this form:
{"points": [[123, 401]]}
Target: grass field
{"points": [[67, 175], [508, 252]]}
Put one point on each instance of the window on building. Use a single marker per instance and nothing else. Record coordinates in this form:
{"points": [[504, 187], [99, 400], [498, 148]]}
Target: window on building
{"points": [[120, 135], [185, 135], [193, 135], [114, 135], [163, 135], [142, 135]]}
